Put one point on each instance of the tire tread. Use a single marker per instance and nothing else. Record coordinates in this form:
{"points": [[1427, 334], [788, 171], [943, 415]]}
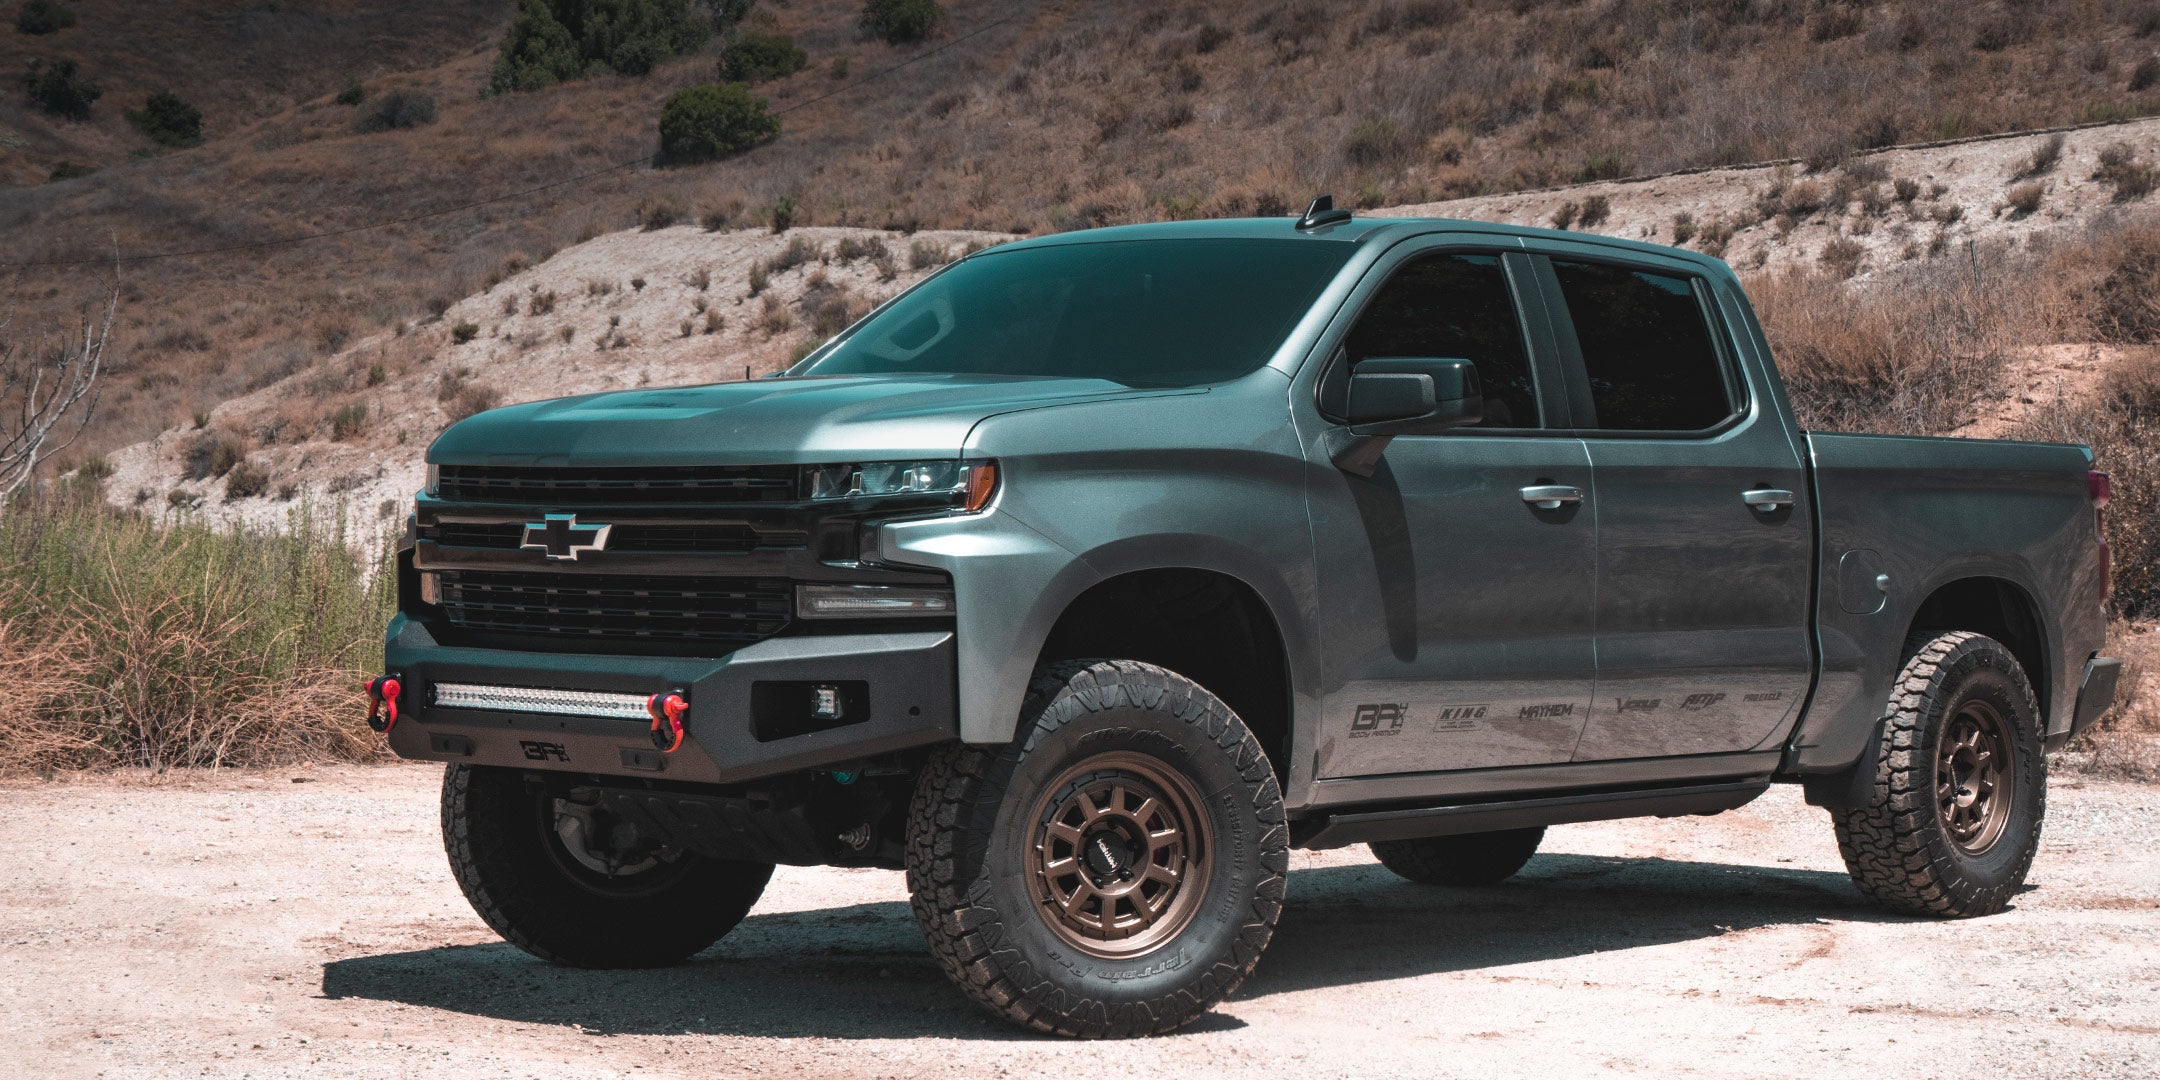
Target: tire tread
{"points": [[959, 786]]}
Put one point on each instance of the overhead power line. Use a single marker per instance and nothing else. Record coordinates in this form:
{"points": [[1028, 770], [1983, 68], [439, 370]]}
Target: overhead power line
{"points": [[580, 178]]}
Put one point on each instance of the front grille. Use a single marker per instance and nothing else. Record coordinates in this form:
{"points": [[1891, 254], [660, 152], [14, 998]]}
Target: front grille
{"points": [[733, 612], [687, 537], [691, 485]]}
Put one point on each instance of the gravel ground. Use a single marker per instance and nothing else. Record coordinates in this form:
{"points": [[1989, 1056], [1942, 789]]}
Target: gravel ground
{"points": [[250, 925]]}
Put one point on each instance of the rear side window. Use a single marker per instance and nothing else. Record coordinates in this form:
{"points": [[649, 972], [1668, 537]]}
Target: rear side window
{"points": [[1646, 349], [1454, 307]]}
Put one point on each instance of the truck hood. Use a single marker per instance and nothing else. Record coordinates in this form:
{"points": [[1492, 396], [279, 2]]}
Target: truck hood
{"points": [[760, 422]]}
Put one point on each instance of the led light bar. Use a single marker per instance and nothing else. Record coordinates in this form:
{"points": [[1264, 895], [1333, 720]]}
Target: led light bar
{"points": [[870, 601], [527, 699]]}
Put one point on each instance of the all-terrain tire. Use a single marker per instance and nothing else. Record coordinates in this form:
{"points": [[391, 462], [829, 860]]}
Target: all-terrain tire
{"points": [[1469, 859], [983, 841], [520, 879], [1902, 848]]}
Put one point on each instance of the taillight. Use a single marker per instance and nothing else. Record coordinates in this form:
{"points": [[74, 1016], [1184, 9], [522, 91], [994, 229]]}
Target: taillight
{"points": [[2097, 486]]}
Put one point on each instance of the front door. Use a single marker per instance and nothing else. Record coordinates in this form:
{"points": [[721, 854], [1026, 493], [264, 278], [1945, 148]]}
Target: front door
{"points": [[1704, 546], [1456, 610]]}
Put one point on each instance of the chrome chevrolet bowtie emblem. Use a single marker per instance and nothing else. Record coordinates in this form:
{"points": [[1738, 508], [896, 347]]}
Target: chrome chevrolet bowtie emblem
{"points": [[561, 537]]}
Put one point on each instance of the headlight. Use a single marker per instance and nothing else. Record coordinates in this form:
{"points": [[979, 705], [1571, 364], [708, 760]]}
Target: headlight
{"points": [[870, 601], [434, 480], [970, 483]]}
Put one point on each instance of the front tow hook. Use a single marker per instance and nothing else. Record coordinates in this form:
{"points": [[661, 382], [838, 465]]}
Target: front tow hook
{"points": [[382, 702], [667, 712]]}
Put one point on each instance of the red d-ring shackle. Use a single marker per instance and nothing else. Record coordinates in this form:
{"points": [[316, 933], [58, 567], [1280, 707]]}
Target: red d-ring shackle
{"points": [[667, 712], [382, 702]]}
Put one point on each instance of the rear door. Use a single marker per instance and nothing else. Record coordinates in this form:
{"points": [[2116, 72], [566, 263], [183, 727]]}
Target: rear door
{"points": [[1704, 545], [1457, 624]]}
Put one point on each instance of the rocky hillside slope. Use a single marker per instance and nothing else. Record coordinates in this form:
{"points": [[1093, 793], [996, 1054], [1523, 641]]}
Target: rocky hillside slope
{"points": [[679, 304], [634, 308]]}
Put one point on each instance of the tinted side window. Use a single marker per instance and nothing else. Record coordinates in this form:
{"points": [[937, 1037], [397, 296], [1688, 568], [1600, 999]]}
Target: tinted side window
{"points": [[1454, 307], [1645, 347]]}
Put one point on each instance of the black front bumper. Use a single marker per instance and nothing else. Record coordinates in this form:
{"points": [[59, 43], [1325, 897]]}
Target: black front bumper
{"points": [[907, 681]]}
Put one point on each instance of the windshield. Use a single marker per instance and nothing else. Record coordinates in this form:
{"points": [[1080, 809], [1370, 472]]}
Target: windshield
{"points": [[1140, 312]]}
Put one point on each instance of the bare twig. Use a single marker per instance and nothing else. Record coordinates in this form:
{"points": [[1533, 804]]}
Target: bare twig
{"points": [[48, 396]]}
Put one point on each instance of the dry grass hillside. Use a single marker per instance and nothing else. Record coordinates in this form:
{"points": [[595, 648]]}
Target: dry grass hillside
{"points": [[236, 61], [1031, 117]]}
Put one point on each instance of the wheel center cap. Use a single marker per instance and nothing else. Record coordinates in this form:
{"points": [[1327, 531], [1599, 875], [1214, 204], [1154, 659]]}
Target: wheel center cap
{"points": [[1107, 853]]}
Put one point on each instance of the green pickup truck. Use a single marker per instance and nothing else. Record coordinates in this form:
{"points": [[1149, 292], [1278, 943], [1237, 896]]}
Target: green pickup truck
{"points": [[1088, 577]]}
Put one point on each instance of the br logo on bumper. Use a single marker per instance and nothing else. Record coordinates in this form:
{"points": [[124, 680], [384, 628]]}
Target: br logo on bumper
{"points": [[561, 537]]}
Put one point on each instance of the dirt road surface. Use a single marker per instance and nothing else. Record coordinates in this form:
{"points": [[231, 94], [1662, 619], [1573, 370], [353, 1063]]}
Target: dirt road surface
{"points": [[249, 925]]}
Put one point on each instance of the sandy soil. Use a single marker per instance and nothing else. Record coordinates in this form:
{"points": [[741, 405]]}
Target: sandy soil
{"points": [[251, 925]]}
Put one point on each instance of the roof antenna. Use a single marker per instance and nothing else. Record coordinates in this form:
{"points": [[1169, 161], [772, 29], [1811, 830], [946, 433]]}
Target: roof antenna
{"points": [[1322, 212]]}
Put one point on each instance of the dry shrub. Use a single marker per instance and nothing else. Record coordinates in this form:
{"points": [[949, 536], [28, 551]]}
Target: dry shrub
{"points": [[210, 454], [2025, 198], [1913, 354], [1842, 256], [124, 643], [1804, 198], [2112, 285], [1715, 236], [2124, 743], [926, 255], [2121, 170], [2122, 425], [797, 252], [246, 481], [849, 249], [472, 399], [830, 309], [2042, 160], [776, 319]]}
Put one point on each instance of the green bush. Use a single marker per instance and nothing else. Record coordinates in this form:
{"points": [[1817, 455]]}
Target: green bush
{"points": [[754, 58], [168, 121], [900, 22], [353, 94], [727, 13], [43, 17], [349, 420], [57, 89], [464, 332], [706, 122], [68, 170], [554, 40]]}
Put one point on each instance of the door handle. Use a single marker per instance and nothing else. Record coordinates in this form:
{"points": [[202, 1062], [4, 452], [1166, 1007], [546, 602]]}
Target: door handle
{"points": [[1551, 496], [1767, 499]]}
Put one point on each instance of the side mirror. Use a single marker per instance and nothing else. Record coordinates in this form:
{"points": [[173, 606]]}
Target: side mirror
{"points": [[1390, 397], [1411, 397]]}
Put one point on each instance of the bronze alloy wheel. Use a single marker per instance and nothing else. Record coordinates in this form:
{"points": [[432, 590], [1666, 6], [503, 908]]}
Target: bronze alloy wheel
{"points": [[1974, 777], [1118, 859]]}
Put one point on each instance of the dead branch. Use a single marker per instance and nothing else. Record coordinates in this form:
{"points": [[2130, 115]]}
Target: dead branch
{"points": [[47, 396]]}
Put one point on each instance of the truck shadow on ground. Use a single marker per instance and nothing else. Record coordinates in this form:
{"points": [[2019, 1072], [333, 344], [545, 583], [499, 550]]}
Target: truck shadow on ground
{"points": [[862, 971]]}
